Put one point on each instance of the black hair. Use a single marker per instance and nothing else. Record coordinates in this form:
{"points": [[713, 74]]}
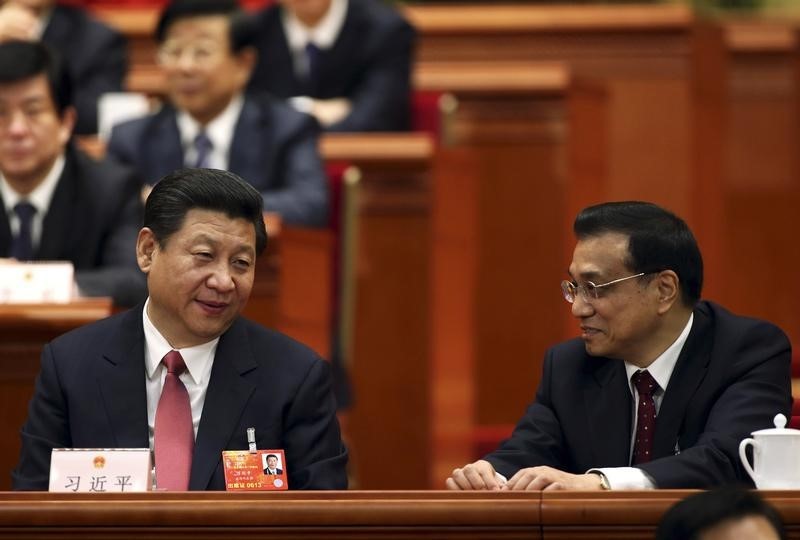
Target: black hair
{"points": [[242, 25], [204, 189], [271, 455], [21, 60], [689, 518], [657, 240]]}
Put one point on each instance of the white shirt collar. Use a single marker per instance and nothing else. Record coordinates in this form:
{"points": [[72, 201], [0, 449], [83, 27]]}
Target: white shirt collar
{"points": [[40, 197], [662, 367], [198, 359], [220, 130], [323, 35]]}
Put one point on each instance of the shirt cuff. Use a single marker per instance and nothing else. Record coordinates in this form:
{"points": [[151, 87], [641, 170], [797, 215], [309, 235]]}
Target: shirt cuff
{"points": [[626, 478]]}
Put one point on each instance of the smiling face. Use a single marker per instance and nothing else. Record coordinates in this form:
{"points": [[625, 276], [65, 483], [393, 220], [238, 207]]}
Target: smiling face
{"points": [[624, 322], [32, 133], [202, 73], [199, 280]]}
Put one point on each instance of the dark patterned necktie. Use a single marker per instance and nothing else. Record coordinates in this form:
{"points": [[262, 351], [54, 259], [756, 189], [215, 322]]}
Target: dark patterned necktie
{"points": [[646, 385], [174, 432], [312, 57], [203, 147], [22, 243]]}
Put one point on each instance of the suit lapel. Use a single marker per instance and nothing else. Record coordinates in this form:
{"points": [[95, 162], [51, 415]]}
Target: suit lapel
{"points": [[608, 405], [120, 379], [163, 152], [689, 372], [251, 148], [228, 393], [5, 230], [55, 238]]}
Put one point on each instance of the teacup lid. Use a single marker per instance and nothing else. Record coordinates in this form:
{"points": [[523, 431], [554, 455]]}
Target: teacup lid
{"points": [[779, 429]]}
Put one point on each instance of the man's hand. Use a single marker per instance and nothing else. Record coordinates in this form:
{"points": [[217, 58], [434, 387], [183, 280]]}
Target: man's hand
{"points": [[478, 475], [548, 478]]}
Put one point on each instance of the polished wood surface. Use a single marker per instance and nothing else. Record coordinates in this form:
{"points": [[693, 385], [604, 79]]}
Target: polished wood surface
{"points": [[352, 514], [24, 329]]}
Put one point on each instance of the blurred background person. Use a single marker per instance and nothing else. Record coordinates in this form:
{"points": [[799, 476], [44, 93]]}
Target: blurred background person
{"points": [[722, 514], [206, 53], [95, 56], [346, 62], [57, 203]]}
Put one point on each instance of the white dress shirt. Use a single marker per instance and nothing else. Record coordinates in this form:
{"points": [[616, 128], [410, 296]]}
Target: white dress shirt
{"points": [[198, 360], [40, 198], [323, 35], [661, 370], [220, 131]]}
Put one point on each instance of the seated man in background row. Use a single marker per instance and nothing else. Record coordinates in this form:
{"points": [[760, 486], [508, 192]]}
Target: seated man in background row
{"points": [[729, 513], [660, 388], [95, 55], [205, 50], [57, 203], [347, 62], [184, 374]]}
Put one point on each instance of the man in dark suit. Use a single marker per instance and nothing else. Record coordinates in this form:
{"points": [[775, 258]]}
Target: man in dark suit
{"points": [[347, 62], [184, 374], [660, 388], [272, 465], [94, 54], [207, 56], [55, 202]]}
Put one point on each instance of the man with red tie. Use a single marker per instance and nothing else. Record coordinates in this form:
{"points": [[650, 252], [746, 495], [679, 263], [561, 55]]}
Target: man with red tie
{"points": [[660, 387], [184, 374]]}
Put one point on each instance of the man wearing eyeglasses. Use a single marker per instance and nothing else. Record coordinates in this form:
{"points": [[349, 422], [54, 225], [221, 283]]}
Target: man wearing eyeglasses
{"points": [[206, 54], [659, 389]]}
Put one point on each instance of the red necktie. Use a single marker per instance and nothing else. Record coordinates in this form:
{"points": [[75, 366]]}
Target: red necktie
{"points": [[646, 385], [174, 432]]}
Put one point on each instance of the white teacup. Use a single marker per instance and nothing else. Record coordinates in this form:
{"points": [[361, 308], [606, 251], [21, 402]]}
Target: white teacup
{"points": [[776, 456]]}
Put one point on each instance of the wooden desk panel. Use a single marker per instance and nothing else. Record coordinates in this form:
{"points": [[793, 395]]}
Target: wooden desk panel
{"points": [[345, 515], [24, 329]]}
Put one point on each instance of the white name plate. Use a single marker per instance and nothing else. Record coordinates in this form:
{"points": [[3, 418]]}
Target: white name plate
{"points": [[118, 470], [36, 282]]}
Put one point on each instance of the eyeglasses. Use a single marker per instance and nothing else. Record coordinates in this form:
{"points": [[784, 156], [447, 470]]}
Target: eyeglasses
{"points": [[172, 53], [589, 291]]}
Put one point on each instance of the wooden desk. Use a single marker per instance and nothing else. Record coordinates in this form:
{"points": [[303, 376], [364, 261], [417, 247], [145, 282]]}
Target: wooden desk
{"points": [[390, 420], [346, 515], [24, 329]]}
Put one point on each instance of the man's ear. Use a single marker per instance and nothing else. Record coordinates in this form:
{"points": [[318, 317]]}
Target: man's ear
{"points": [[669, 291], [68, 119], [246, 59], [146, 246]]}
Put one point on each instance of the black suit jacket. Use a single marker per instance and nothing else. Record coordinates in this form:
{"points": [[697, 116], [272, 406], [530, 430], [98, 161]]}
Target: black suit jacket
{"points": [[274, 148], [93, 221], [90, 393], [369, 63], [95, 55], [731, 378], [277, 471]]}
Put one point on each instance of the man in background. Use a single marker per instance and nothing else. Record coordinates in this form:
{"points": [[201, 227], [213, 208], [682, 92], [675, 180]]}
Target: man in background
{"points": [[94, 55], [346, 62], [722, 514], [659, 389], [57, 203], [183, 373], [206, 53]]}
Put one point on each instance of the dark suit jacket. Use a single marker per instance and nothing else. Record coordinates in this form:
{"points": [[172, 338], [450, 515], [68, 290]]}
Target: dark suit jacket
{"points": [[96, 58], [93, 221], [90, 393], [731, 378], [274, 148], [369, 63], [277, 471]]}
